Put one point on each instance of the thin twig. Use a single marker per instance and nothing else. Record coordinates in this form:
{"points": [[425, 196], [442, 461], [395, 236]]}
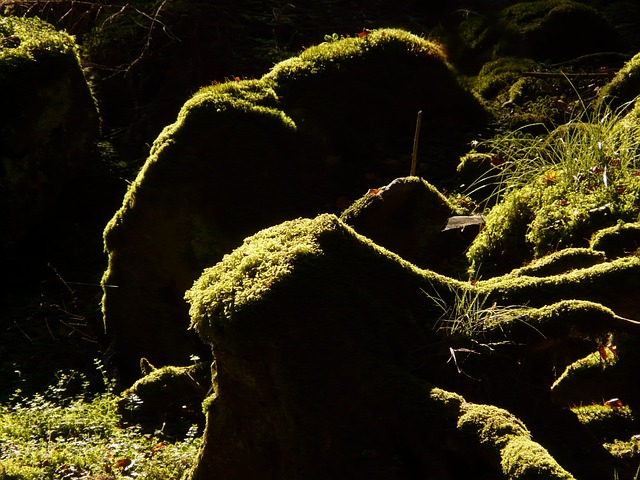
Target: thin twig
{"points": [[416, 139], [568, 75]]}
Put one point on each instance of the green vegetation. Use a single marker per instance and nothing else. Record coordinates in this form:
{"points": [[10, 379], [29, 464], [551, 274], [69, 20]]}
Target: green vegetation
{"points": [[502, 435], [556, 190], [28, 39], [59, 434], [559, 184]]}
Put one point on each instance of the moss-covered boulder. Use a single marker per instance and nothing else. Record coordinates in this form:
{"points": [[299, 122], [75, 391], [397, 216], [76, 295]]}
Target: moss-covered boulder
{"points": [[624, 88], [309, 136], [47, 130], [327, 346], [562, 188], [542, 30], [168, 397], [409, 217], [618, 241]]}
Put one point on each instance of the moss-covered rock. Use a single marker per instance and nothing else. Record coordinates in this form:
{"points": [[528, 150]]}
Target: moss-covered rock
{"points": [[565, 204], [624, 88], [618, 241], [167, 397], [562, 261], [408, 217], [47, 131], [309, 316], [309, 136], [542, 30], [535, 29]]}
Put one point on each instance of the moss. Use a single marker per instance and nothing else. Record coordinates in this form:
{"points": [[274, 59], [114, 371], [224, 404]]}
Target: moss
{"points": [[596, 283], [605, 422], [167, 395], [330, 55], [448, 399], [492, 425], [548, 216], [47, 132], [476, 174], [24, 40], [240, 151], [502, 244], [510, 440], [624, 88], [565, 317], [502, 74], [313, 296], [407, 217], [560, 262], [251, 270], [617, 241], [522, 458], [589, 367], [534, 29]]}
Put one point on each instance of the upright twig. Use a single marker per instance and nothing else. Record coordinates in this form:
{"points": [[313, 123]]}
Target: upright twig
{"points": [[416, 138]]}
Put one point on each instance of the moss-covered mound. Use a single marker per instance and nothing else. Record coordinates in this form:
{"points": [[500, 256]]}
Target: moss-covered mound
{"points": [[168, 398], [309, 136], [578, 179], [408, 217], [542, 30], [327, 346], [47, 130], [624, 88]]}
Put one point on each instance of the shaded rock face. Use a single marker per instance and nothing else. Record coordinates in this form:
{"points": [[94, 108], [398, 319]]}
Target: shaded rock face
{"points": [[310, 136], [409, 217], [543, 30], [47, 131], [327, 349]]}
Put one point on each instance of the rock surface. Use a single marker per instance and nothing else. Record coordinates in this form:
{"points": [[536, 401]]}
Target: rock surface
{"points": [[308, 137], [47, 132], [327, 348]]}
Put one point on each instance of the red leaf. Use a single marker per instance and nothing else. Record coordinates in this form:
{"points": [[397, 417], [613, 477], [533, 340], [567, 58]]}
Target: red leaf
{"points": [[614, 403], [364, 33], [603, 352], [123, 463], [373, 191]]}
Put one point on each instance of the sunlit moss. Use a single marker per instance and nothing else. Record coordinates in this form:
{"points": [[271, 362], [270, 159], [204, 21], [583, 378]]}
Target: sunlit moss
{"points": [[28, 39], [580, 178], [560, 262], [330, 55], [624, 87], [619, 240], [588, 414], [522, 458], [500, 431]]}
